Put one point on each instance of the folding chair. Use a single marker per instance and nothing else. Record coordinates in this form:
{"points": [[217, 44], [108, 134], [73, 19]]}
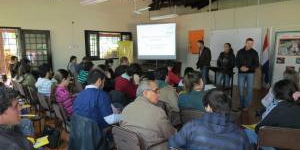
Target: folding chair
{"points": [[78, 85], [129, 140], [33, 98], [45, 104], [188, 114], [59, 113], [277, 137]]}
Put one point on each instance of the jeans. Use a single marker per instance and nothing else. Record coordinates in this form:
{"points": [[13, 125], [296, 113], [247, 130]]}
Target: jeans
{"points": [[245, 78], [204, 70], [26, 127], [223, 79]]}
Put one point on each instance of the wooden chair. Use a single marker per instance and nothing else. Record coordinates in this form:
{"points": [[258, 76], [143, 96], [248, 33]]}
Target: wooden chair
{"points": [[129, 140], [283, 138], [188, 114]]}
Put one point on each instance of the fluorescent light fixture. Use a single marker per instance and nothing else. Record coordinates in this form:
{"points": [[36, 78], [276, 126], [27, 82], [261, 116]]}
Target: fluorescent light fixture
{"points": [[90, 2], [164, 17], [143, 9], [139, 11]]}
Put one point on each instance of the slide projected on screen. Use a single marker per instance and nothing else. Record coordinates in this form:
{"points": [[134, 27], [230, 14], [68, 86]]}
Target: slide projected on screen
{"points": [[156, 41]]}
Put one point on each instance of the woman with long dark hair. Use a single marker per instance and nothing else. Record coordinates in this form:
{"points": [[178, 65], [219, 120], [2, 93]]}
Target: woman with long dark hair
{"points": [[226, 62], [72, 66]]}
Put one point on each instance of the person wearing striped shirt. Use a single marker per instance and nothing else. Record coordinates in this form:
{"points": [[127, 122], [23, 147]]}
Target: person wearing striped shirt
{"points": [[82, 77]]}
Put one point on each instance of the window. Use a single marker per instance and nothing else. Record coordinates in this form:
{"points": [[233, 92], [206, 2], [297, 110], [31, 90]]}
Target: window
{"points": [[104, 44], [9, 46], [36, 47], [32, 44]]}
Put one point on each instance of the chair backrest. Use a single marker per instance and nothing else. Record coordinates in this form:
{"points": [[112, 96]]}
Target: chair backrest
{"points": [[188, 114], [80, 140], [283, 138], [17, 86], [78, 85], [125, 139], [32, 95], [119, 97], [43, 101], [58, 112], [162, 105], [14, 84], [63, 111]]}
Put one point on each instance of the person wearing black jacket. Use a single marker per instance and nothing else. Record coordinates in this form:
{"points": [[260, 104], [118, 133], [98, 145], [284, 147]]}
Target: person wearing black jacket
{"points": [[226, 61], [286, 113], [246, 62], [204, 60]]}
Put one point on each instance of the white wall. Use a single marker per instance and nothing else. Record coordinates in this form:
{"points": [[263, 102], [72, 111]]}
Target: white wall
{"points": [[57, 16]]}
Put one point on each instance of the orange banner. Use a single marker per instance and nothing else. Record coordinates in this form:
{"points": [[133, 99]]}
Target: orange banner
{"points": [[194, 36]]}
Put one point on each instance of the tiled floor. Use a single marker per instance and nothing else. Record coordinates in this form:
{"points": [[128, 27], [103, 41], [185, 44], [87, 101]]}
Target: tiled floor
{"points": [[247, 117]]}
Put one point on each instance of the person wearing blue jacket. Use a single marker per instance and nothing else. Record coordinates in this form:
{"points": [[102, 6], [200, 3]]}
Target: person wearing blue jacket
{"points": [[213, 131]]}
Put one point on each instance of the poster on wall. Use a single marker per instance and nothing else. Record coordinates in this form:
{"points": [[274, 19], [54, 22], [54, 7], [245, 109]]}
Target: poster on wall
{"points": [[287, 53], [126, 49], [194, 36], [280, 60], [288, 43]]}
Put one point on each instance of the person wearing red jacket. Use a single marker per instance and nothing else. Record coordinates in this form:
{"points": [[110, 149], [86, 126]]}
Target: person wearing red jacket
{"points": [[173, 79], [127, 83]]}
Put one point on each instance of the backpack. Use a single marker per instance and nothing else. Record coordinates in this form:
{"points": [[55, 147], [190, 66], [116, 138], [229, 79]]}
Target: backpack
{"points": [[53, 136]]}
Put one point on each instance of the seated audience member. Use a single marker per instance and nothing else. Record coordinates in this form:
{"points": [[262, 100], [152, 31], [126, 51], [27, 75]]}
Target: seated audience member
{"points": [[291, 74], [94, 103], [109, 81], [213, 131], [62, 94], [72, 66], [82, 77], [45, 82], [79, 66], [193, 97], [269, 100], [4, 81], [92, 113], [226, 61], [167, 94], [187, 70], [11, 137], [24, 76], [173, 79], [109, 63], [122, 67], [128, 81], [285, 111], [13, 66], [145, 118]]}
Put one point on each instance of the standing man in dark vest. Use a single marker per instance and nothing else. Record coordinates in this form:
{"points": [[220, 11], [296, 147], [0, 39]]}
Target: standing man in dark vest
{"points": [[246, 62], [204, 60]]}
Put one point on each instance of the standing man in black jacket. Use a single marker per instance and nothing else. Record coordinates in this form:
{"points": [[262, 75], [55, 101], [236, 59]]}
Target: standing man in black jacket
{"points": [[246, 62], [203, 60]]}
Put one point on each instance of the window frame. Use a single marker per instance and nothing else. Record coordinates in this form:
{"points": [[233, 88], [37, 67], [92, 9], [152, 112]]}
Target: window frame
{"points": [[33, 31], [87, 34]]}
